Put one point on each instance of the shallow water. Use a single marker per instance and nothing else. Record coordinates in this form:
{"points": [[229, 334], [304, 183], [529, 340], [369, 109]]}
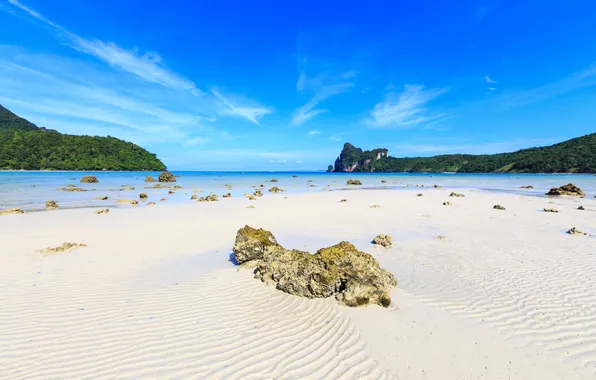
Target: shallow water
{"points": [[30, 190]]}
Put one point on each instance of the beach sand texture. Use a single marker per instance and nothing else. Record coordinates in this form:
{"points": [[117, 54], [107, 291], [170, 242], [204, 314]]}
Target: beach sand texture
{"points": [[501, 295]]}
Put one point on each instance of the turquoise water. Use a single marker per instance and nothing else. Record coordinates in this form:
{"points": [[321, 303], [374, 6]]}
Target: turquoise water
{"points": [[30, 190]]}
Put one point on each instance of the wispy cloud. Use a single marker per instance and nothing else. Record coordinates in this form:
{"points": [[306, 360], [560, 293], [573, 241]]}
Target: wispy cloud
{"points": [[578, 80], [242, 108], [314, 132], [148, 66], [323, 86], [406, 108], [489, 80]]}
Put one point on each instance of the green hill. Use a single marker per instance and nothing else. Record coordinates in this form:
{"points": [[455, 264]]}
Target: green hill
{"points": [[23, 145], [577, 155]]}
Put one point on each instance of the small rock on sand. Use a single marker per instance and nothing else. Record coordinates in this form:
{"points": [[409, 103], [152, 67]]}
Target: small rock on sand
{"points": [[526, 187], [374, 206], [103, 198], [102, 211], [354, 182], [498, 207], [581, 208], [419, 194], [458, 195], [575, 231], [275, 189], [446, 203], [550, 210], [65, 247], [143, 196], [384, 240], [151, 204], [12, 211], [569, 189], [227, 195], [51, 205], [343, 200]]}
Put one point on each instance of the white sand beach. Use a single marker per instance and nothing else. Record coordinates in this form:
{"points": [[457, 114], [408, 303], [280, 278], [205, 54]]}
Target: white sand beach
{"points": [[502, 295]]}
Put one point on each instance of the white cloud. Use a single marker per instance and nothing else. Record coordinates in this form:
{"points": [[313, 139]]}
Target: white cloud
{"points": [[231, 105], [323, 86], [308, 111], [407, 108], [278, 161], [314, 132], [148, 66], [489, 80], [335, 138], [196, 141]]}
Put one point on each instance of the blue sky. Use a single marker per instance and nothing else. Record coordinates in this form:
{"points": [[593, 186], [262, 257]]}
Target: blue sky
{"points": [[281, 85]]}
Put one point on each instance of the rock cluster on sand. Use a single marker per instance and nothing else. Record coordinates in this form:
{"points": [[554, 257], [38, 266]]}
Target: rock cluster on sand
{"points": [[12, 211], [275, 189], [354, 182], [89, 179], [258, 193], [550, 210], [446, 203], [51, 205], [384, 240], [166, 177], [194, 197], [65, 247], [498, 207], [354, 277], [102, 211], [458, 195], [569, 189], [72, 188], [209, 198], [150, 179]]}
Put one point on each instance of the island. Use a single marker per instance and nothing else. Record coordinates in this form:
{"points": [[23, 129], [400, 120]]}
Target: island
{"points": [[25, 146], [577, 155]]}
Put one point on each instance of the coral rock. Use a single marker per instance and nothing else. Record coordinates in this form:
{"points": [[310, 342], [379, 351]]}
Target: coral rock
{"points": [[51, 205], [89, 179], [150, 179], [569, 189], [384, 240], [166, 177]]}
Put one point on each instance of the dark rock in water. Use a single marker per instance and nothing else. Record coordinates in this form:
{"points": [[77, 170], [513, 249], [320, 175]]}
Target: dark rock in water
{"points": [[51, 205], [274, 180], [150, 179], [258, 193], [127, 188], [10, 211], [458, 195], [227, 195], [89, 179], [294, 176], [171, 192], [177, 187], [526, 187], [498, 207], [166, 177], [143, 196], [581, 208], [569, 189], [275, 189], [384, 240], [437, 186], [383, 181], [550, 210], [354, 277], [102, 198], [194, 197], [354, 182]]}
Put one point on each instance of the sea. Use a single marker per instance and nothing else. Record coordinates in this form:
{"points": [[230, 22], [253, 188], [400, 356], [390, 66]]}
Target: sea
{"points": [[30, 190]]}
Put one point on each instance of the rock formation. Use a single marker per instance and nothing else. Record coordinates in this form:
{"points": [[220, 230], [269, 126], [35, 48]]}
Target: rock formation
{"points": [[354, 182], [275, 189], [209, 198], [166, 177], [569, 189], [65, 247], [150, 179], [384, 240], [89, 179], [353, 277], [51, 205], [11, 211]]}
